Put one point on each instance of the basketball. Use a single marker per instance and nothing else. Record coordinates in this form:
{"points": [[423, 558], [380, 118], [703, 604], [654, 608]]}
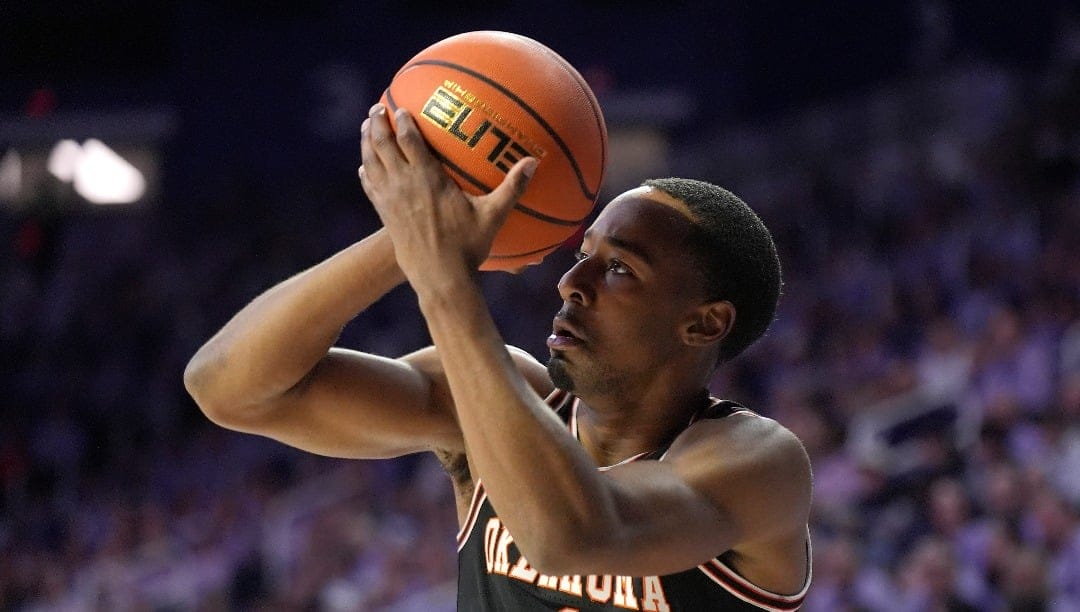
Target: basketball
{"points": [[483, 101]]}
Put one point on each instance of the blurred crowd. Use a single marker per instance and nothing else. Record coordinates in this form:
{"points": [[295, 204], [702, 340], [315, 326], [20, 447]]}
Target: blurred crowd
{"points": [[927, 352]]}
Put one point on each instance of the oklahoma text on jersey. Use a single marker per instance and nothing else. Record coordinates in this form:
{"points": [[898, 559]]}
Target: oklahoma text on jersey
{"points": [[617, 590]]}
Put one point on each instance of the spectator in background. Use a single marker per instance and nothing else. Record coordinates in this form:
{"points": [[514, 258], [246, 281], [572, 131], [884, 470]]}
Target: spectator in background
{"points": [[927, 580], [1052, 525]]}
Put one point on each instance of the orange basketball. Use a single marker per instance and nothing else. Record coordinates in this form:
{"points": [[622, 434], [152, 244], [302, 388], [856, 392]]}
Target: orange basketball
{"points": [[484, 100]]}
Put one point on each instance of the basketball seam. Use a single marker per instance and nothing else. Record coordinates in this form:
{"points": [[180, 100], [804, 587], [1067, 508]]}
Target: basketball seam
{"points": [[594, 104], [591, 195], [486, 189]]}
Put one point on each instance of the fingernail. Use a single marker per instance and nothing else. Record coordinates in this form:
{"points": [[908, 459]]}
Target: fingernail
{"points": [[364, 125], [530, 167], [377, 109]]}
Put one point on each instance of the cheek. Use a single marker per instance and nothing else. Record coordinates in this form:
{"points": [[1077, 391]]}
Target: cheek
{"points": [[645, 331], [639, 320]]}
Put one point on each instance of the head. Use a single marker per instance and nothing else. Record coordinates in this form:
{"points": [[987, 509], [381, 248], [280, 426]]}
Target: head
{"points": [[735, 257], [675, 274]]}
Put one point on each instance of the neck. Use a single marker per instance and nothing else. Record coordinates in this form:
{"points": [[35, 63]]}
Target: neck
{"points": [[614, 428]]}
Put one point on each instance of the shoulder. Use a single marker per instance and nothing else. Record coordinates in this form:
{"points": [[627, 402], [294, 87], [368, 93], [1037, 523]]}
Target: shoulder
{"points": [[743, 436], [534, 372], [754, 469]]}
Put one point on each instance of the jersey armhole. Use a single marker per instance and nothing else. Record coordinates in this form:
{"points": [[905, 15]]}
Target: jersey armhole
{"points": [[478, 497], [741, 588]]}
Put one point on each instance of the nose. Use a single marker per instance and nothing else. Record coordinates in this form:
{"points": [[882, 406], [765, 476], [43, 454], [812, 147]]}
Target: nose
{"points": [[576, 285]]}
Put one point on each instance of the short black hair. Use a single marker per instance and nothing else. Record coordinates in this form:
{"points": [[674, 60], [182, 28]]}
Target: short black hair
{"points": [[734, 254]]}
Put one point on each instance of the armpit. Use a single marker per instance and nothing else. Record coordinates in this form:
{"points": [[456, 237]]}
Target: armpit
{"points": [[456, 465]]}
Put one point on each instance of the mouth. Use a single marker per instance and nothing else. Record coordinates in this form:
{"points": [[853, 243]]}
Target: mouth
{"points": [[564, 334]]}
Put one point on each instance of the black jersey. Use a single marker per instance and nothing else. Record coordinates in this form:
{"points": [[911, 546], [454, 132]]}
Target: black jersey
{"points": [[493, 576]]}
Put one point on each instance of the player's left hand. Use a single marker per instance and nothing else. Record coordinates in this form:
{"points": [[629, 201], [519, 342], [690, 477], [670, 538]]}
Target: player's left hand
{"points": [[431, 221]]}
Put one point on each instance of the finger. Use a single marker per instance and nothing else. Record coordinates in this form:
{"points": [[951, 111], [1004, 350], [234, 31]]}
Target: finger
{"points": [[383, 142], [501, 200], [411, 141], [372, 167], [365, 182]]}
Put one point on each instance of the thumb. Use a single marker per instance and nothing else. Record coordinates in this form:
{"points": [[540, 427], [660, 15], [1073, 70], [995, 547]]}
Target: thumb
{"points": [[502, 199]]}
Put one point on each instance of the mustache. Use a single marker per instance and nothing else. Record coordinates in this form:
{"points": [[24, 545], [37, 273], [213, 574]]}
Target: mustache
{"points": [[568, 321]]}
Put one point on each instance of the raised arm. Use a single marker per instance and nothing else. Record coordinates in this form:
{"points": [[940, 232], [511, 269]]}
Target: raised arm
{"points": [[738, 485], [271, 369]]}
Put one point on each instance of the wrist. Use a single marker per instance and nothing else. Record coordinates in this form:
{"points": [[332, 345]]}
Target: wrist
{"points": [[445, 284], [372, 262]]}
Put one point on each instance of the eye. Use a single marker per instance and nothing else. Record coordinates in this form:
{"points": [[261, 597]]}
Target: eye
{"points": [[618, 267], [579, 255]]}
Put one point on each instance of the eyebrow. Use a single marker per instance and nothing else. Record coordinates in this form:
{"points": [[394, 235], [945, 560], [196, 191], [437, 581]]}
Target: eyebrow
{"points": [[625, 245]]}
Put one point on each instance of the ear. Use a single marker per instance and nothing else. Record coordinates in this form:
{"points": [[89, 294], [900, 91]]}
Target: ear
{"points": [[708, 323]]}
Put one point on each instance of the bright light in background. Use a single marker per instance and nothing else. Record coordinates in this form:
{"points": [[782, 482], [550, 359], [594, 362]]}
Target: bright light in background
{"points": [[10, 175], [47, 161], [99, 174], [103, 177], [62, 160]]}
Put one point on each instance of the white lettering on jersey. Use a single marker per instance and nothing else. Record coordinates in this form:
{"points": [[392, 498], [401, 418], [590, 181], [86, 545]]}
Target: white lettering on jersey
{"points": [[523, 571], [624, 593], [619, 590], [502, 552], [652, 596], [491, 532], [598, 588], [570, 584]]}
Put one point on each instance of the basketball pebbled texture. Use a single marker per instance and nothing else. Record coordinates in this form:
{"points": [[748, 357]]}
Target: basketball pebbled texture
{"points": [[484, 100]]}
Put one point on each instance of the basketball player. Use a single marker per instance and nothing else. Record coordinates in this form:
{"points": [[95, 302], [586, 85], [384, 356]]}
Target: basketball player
{"points": [[629, 487]]}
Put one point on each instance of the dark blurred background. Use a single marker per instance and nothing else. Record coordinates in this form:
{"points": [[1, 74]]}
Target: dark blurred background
{"points": [[163, 163]]}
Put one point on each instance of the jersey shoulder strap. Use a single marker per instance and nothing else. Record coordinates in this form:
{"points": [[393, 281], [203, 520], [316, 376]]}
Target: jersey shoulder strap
{"points": [[720, 408], [561, 402]]}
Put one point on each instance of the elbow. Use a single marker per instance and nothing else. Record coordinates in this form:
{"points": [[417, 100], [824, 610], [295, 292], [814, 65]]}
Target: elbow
{"points": [[196, 379], [220, 401], [550, 563], [569, 552], [199, 386], [582, 539]]}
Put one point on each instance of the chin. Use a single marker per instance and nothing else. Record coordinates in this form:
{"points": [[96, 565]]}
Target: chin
{"points": [[560, 377]]}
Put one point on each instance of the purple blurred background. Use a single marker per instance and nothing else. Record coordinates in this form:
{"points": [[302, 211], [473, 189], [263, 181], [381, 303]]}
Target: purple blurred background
{"points": [[916, 161]]}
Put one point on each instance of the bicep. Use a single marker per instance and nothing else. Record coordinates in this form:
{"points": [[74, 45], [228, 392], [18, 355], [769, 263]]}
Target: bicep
{"points": [[664, 525], [716, 490], [363, 406]]}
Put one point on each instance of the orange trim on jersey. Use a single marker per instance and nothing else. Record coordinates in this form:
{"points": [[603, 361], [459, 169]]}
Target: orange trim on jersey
{"points": [[749, 592], [574, 432], [697, 417], [573, 419], [623, 462], [556, 398], [713, 401], [478, 497]]}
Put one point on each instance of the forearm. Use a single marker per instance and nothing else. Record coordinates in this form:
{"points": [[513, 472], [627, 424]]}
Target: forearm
{"points": [[537, 476], [273, 342]]}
